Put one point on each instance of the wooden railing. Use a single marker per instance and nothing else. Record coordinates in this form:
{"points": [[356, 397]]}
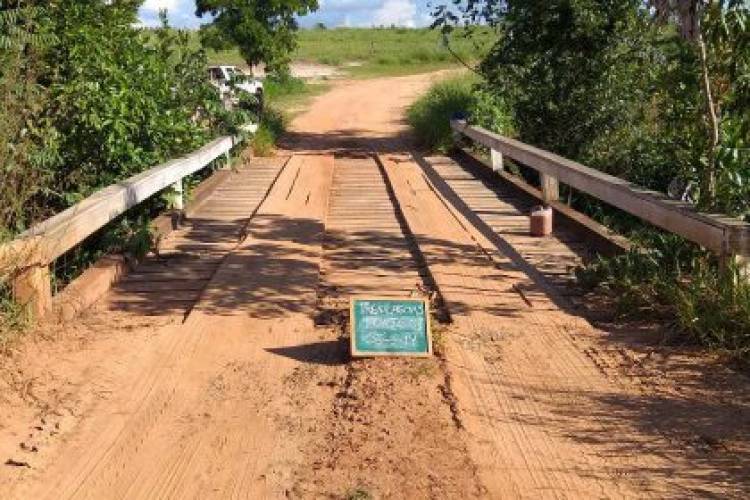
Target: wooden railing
{"points": [[728, 237], [28, 257]]}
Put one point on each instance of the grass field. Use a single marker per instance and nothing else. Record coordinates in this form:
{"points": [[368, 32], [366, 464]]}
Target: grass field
{"points": [[290, 97], [364, 52]]}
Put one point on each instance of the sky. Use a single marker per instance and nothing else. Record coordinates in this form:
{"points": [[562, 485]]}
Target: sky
{"points": [[333, 13]]}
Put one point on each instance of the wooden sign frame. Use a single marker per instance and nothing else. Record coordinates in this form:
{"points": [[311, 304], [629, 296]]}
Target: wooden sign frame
{"points": [[366, 354]]}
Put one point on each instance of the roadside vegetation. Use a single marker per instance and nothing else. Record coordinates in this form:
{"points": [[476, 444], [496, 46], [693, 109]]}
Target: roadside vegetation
{"points": [[258, 30], [89, 99], [457, 97], [655, 95], [285, 96], [367, 52]]}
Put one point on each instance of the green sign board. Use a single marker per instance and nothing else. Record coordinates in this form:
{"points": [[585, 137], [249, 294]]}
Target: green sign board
{"points": [[390, 327]]}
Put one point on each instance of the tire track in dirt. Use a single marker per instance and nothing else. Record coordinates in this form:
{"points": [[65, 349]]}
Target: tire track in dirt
{"points": [[214, 395], [390, 431], [541, 417]]}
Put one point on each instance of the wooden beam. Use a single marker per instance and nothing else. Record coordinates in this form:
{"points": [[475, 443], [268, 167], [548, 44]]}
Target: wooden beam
{"points": [[497, 161], [708, 230], [67, 229], [550, 189], [18, 254]]}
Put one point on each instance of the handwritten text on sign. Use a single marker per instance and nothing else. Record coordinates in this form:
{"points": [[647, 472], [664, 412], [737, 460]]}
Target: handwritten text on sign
{"points": [[384, 327]]}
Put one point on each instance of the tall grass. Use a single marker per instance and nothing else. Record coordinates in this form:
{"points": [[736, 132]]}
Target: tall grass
{"points": [[667, 278], [272, 126], [284, 96], [389, 50], [430, 115]]}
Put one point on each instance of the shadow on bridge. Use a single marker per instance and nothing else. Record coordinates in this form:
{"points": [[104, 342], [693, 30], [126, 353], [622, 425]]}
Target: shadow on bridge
{"points": [[344, 142], [277, 273], [706, 419]]}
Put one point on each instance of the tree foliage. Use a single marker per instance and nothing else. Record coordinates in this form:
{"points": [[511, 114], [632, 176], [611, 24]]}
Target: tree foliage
{"points": [[264, 30], [653, 91], [23, 37], [624, 86], [89, 99]]}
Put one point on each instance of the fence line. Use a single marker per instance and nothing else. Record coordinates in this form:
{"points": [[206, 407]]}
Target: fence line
{"points": [[726, 236], [33, 251]]}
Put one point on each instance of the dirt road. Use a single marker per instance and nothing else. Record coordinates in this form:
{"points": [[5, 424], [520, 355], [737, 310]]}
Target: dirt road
{"points": [[254, 394]]}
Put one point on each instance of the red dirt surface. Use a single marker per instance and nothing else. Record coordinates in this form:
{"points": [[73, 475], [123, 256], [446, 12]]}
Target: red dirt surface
{"points": [[254, 394]]}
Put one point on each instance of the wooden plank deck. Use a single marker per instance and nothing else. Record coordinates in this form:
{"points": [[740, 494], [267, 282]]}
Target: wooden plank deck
{"points": [[365, 249], [170, 283], [504, 210]]}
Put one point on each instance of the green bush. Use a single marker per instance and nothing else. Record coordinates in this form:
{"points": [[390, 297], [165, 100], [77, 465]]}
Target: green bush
{"points": [[387, 60], [272, 126], [663, 276], [714, 309], [111, 101], [276, 86], [89, 99], [430, 116]]}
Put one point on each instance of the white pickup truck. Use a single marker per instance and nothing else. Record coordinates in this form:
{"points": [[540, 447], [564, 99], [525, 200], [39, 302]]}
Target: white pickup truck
{"points": [[231, 82]]}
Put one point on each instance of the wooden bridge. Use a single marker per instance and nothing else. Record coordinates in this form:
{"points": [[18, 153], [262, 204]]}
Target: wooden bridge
{"points": [[533, 395]]}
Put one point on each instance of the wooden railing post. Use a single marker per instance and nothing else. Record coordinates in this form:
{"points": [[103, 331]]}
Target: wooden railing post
{"points": [[550, 188], [730, 259], [743, 264], [228, 162], [726, 236], [32, 289], [179, 200], [497, 160]]}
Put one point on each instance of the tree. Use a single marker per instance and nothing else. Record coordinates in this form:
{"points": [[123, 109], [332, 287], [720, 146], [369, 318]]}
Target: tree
{"points": [[87, 98], [683, 63], [719, 31], [264, 30], [24, 36], [574, 72]]}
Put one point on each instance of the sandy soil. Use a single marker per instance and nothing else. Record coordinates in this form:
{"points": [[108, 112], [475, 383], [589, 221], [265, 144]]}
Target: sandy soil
{"points": [[305, 70], [254, 394]]}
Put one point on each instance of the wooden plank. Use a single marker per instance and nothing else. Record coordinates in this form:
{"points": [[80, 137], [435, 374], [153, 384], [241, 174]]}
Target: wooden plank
{"points": [[550, 189], [68, 228], [606, 240], [718, 233]]}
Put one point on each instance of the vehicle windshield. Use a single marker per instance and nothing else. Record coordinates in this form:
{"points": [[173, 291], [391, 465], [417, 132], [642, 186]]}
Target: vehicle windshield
{"points": [[235, 74]]}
